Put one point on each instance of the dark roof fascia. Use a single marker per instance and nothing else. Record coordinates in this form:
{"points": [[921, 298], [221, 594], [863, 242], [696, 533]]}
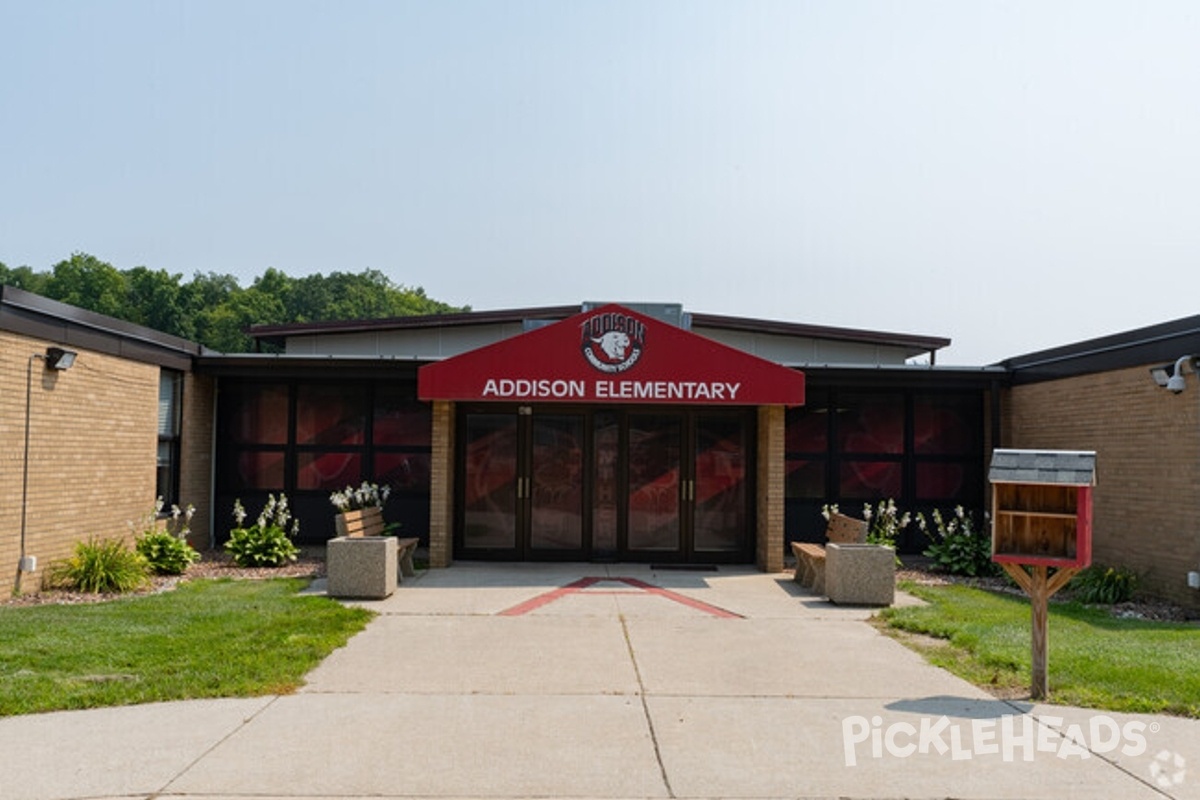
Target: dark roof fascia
{"points": [[40, 317], [898, 376], [266, 367], [1161, 343], [275, 334], [271, 366], [916, 343]]}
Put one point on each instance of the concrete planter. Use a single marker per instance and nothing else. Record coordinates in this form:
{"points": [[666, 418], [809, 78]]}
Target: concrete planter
{"points": [[860, 574], [361, 567]]}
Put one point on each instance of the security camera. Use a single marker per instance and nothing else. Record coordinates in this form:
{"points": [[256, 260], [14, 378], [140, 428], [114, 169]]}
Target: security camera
{"points": [[1172, 379]]}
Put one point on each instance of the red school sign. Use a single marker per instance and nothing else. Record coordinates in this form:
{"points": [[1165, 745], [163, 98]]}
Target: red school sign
{"points": [[611, 355]]}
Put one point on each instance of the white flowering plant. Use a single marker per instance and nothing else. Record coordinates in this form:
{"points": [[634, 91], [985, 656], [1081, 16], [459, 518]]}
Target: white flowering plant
{"points": [[268, 542], [958, 543], [365, 495], [885, 523], [165, 546]]}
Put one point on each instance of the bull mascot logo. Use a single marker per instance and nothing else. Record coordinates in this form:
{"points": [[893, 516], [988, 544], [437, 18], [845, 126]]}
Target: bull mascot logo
{"points": [[613, 342]]}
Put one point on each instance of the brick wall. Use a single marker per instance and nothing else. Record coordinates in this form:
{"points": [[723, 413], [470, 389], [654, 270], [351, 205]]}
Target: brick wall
{"points": [[441, 490], [1147, 443], [769, 549], [92, 445], [195, 455]]}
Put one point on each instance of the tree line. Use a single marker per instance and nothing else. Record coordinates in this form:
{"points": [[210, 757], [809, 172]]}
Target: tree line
{"points": [[213, 309]]}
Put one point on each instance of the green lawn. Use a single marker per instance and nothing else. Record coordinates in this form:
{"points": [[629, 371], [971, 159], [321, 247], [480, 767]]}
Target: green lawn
{"points": [[1095, 660], [204, 639]]}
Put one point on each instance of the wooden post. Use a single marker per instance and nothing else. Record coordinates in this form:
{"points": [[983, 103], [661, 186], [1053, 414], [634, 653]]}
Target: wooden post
{"points": [[1039, 686], [1040, 586]]}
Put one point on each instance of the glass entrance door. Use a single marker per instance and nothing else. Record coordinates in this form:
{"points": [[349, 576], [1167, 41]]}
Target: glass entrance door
{"points": [[555, 485], [720, 522], [522, 485], [655, 461], [688, 488], [641, 485]]}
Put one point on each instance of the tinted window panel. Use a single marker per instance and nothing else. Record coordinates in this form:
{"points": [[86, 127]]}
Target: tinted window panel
{"points": [[804, 478], [328, 471], [260, 470], [330, 415], [257, 414], [405, 472], [402, 421], [940, 481], [868, 480], [871, 423], [945, 425]]}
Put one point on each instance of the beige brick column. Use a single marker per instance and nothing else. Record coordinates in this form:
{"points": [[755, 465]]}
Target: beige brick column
{"points": [[769, 552], [441, 489], [195, 457]]}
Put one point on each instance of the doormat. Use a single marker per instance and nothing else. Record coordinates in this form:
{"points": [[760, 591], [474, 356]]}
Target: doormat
{"points": [[684, 567]]}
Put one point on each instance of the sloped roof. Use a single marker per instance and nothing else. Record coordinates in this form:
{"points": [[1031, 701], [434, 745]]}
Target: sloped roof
{"points": [[915, 343], [1058, 467], [655, 362]]}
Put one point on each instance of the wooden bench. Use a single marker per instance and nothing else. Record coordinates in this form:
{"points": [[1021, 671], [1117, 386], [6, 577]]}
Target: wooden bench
{"points": [[810, 565], [810, 557], [369, 522]]}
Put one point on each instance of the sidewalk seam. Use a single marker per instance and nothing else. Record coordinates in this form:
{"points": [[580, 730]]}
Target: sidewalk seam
{"points": [[662, 768], [1139, 778], [209, 750]]}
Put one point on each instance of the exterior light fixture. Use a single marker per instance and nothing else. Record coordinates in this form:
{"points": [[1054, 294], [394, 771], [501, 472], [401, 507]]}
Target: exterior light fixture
{"points": [[56, 358], [1172, 378], [60, 359]]}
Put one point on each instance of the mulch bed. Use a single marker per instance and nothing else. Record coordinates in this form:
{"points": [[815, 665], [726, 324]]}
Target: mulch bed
{"points": [[212, 564], [919, 571], [311, 564]]}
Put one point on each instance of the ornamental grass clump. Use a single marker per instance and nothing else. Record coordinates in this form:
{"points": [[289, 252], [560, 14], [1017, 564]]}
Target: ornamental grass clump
{"points": [[1104, 585], [166, 549], [101, 566], [268, 542]]}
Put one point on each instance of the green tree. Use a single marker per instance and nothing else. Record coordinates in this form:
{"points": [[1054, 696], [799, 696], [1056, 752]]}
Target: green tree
{"points": [[223, 327], [23, 278], [87, 282], [155, 300], [213, 309]]}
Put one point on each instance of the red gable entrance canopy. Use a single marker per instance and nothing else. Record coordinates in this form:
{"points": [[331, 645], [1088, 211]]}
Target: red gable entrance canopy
{"points": [[611, 355]]}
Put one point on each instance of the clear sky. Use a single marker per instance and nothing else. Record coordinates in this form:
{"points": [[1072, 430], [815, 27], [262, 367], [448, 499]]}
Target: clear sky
{"points": [[1011, 175]]}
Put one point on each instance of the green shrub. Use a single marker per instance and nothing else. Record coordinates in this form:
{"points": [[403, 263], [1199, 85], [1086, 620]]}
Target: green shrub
{"points": [[268, 542], [1106, 585], [165, 548], [106, 566], [958, 545], [166, 553], [261, 547]]}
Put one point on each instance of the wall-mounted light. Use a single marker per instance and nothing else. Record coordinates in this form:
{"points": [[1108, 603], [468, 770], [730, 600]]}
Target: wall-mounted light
{"points": [[1172, 378], [58, 358]]}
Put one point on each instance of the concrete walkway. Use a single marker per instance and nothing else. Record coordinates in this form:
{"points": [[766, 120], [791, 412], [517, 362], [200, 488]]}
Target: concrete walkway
{"points": [[586, 681]]}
